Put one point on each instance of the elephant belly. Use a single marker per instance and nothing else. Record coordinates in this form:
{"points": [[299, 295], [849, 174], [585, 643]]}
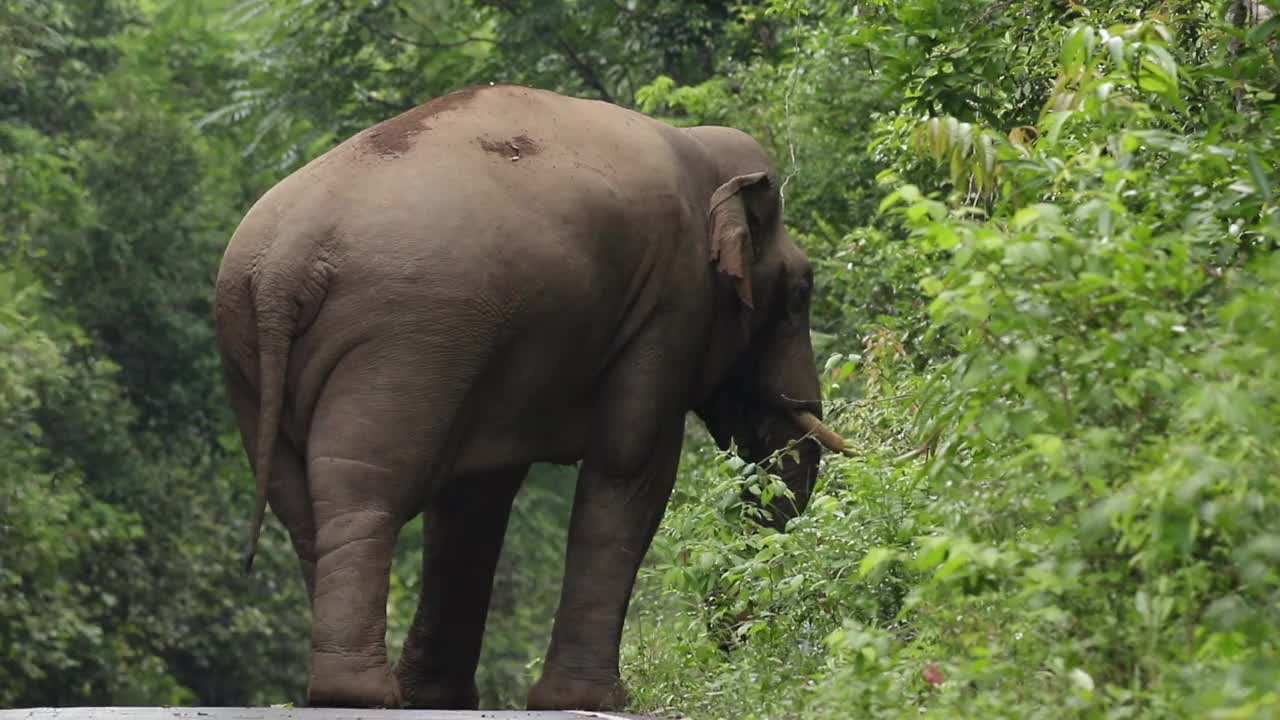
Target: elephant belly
{"points": [[527, 411], [569, 324]]}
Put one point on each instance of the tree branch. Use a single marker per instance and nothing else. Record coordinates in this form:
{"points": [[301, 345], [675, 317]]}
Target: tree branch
{"points": [[588, 73], [432, 45], [583, 68]]}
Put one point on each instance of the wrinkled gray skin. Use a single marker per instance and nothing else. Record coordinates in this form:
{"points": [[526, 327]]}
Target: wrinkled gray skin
{"points": [[499, 277]]}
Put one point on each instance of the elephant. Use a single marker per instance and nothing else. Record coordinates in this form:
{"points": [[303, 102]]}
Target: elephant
{"points": [[502, 276]]}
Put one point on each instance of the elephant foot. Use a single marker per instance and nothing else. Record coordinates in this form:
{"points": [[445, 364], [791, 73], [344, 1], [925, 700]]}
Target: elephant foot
{"points": [[335, 684], [437, 694], [553, 692]]}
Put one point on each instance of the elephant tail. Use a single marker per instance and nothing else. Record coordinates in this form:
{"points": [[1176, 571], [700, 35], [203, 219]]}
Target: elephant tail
{"points": [[286, 300], [273, 356]]}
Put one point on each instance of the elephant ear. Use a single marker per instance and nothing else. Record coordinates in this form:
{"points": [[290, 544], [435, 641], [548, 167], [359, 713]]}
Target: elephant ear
{"points": [[733, 250]]}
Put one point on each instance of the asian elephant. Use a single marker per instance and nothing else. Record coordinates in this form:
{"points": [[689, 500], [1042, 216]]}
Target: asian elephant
{"points": [[498, 277]]}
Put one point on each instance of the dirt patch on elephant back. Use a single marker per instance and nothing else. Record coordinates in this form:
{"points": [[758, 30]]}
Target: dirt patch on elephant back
{"points": [[520, 146], [394, 136]]}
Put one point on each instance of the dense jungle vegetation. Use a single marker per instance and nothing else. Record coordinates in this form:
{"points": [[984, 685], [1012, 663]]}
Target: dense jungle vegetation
{"points": [[1048, 318]]}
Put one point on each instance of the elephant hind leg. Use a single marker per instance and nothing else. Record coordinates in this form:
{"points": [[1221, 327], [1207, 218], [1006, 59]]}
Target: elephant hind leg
{"points": [[464, 524], [380, 436], [355, 539]]}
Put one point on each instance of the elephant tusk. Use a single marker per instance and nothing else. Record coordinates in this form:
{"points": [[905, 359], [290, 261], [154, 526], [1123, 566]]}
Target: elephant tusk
{"points": [[811, 425]]}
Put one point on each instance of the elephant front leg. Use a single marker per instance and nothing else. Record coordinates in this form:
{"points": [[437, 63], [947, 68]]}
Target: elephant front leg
{"points": [[613, 522], [463, 529]]}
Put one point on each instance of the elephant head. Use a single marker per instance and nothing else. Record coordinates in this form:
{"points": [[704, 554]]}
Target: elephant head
{"points": [[767, 396]]}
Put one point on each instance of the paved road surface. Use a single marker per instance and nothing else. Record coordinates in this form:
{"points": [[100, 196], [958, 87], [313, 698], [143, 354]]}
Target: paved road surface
{"points": [[225, 713]]}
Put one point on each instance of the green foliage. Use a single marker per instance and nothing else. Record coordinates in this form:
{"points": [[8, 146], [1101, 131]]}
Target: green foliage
{"points": [[609, 50], [314, 74], [51, 53], [320, 72], [121, 503]]}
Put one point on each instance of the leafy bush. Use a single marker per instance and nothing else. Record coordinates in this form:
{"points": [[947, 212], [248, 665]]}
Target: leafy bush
{"points": [[120, 501]]}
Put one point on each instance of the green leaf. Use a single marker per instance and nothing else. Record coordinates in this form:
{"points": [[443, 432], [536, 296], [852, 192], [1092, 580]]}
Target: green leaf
{"points": [[889, 201], [933, 551], [1159, 73], [1048, 447], [874, 558], [1025, 217], [1077, 49], [1056, 121], [1259, 174], [1262, 32]]}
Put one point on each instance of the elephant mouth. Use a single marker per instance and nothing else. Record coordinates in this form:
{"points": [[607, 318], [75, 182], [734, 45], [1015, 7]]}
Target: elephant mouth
{"points": [[815, 428]]}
